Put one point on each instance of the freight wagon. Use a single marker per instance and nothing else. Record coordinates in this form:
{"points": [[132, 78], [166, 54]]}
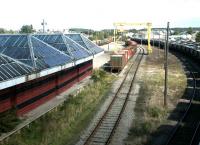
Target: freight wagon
{"points": [[191, 49], [131, 44], [119, 59], [117, 62]]}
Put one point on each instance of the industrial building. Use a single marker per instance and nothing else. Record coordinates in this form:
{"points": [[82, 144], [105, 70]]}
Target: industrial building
{"points": [[36, 68]]}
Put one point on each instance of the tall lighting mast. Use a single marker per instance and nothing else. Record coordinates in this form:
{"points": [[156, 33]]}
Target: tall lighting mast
{"points": [[43, 25]]}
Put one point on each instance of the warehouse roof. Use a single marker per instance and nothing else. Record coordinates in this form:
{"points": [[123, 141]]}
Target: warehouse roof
{"points": [[66, 45], [86, 43], [25, 54], [10, 68], [27, 57], [31, 51]]}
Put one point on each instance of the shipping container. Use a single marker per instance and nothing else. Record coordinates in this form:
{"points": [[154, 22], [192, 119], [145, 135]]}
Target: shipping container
{"points": [[125, 53], [128, 53], [117, 61], [133, 44], [131, 52]]}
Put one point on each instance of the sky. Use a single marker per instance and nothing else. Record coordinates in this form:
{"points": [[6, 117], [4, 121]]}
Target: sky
{"points": [[97, 14]]}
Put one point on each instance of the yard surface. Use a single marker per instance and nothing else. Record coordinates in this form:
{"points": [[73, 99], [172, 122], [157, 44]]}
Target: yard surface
{"points": [[151, 124]]}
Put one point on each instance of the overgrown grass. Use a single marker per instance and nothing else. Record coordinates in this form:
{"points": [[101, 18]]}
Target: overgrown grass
{"points": [[64, 125]]}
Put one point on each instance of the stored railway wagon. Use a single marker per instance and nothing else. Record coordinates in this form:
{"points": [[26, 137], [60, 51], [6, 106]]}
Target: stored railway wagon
{"points": [[191, 49], [36, 68], [119, 59], [132, 44]]}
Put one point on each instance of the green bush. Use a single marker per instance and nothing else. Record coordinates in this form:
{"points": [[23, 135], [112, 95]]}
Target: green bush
{"points": [[198, 37], [154, 112], [98, 75], [141, 128], [8, 121]]}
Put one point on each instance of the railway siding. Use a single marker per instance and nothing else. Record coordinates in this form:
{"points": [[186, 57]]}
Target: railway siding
{"points": [[121, 97]]}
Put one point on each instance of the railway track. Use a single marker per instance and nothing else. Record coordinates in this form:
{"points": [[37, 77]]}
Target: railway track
{"points": [[187, 130], [105, 128]]}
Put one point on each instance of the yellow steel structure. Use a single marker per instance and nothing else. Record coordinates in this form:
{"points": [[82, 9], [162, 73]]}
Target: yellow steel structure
{"points": [[148, 25]]}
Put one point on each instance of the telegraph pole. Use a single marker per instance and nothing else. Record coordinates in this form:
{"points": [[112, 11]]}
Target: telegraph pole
{"points": [[43, 25], [141, 37], [159, 45], [153, 37], [166, 65]]}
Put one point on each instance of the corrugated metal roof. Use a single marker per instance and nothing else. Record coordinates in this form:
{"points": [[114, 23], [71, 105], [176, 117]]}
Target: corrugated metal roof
{"points": [[86, 43]]}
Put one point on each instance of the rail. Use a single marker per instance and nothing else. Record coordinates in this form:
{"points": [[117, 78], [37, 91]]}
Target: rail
{"points": [[119, 113]]}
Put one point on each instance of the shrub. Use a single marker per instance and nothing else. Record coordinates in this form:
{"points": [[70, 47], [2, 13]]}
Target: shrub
{"points": [[8, 120], [154, 112], [198, 37], [98, 75], [141, 128]]}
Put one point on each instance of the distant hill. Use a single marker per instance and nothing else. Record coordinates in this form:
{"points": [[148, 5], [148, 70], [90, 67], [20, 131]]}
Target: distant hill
{"points": [[177, 29], [180, 29], [81, 30]]}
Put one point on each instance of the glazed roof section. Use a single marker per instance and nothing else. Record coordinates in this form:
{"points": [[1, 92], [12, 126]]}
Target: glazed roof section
{"points": [[26, 57], [66, 45], [86, 43], [9, 68], [25, 54]]}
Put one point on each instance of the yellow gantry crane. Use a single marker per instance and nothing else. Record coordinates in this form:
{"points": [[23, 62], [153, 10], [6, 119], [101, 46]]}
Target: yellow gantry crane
{"points": [[148, 25]]}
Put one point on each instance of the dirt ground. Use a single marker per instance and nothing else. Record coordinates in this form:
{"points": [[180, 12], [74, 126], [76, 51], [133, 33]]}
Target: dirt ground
{"points": [[152, 123]]}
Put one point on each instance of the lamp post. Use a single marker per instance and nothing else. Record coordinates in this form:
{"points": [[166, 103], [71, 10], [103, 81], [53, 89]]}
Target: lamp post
{"points": [[43, 25]]}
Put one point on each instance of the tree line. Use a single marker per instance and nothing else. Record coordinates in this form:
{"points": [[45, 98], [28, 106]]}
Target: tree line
{"points": [[25, 29], [93, 35]]}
